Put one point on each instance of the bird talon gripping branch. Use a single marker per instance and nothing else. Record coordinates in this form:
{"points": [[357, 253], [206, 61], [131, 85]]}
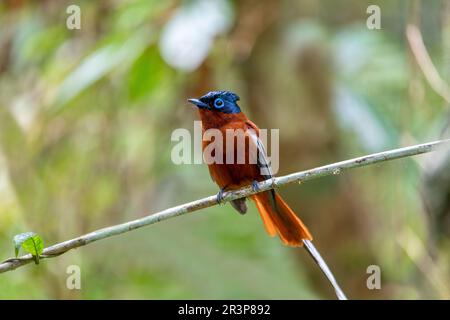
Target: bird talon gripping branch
{"points": [[220, 195], [255, 186]]}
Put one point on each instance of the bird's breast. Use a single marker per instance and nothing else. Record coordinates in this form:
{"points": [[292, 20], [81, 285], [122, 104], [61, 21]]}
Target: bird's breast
{"points": [[227, 149]]}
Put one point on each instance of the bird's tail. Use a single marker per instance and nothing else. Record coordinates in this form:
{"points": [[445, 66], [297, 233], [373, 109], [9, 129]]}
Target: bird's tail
{"points": [[279, 219]]}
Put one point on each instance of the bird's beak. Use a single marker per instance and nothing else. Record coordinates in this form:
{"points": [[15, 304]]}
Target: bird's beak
{"points": [[198, 103]]}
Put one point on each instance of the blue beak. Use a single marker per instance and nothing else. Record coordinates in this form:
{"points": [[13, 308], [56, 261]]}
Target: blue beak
{"points": [[198, 103]]}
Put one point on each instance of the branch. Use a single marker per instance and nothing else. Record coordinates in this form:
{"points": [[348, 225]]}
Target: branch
{"points": [[299, 177]]}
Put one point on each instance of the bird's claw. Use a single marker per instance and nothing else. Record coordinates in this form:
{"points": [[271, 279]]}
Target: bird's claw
{"points": [[255, 186], [220, 196]]}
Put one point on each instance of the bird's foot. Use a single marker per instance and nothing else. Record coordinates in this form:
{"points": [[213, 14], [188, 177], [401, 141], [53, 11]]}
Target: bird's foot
{"points": [[220, 195], [255, 186]]}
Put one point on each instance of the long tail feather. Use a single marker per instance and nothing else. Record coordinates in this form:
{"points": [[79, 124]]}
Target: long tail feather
{"points": [[324, 267], [279, 219]]}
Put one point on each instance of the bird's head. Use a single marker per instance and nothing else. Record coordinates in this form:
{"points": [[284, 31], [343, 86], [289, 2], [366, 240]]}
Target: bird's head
{"points": [[221, 101]]}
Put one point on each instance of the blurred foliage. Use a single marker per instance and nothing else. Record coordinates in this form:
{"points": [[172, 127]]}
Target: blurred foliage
{"points": [[86, 118]]}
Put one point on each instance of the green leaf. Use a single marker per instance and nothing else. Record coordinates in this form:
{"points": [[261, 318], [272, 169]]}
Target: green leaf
{"points": [[99, 63], [146, 74], [21, 238], [30, 242], [33, 245]]}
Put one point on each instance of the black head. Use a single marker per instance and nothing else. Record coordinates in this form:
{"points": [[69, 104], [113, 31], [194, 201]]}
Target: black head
{"points": [[222, 101]]}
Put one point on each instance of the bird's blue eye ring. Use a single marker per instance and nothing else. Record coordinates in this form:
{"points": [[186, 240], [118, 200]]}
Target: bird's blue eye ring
{"points": [[218, 103]]}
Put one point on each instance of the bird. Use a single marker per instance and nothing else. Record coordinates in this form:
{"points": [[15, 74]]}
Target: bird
{"points": [[219, 110]]}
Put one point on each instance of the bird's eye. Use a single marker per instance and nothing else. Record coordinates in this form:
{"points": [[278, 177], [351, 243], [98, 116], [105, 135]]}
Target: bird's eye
{"points": [[218, 103]]}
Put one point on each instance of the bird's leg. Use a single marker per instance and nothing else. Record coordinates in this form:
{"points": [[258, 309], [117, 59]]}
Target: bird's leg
{"points": [[273, 183], [255, 186], [220, 194]]}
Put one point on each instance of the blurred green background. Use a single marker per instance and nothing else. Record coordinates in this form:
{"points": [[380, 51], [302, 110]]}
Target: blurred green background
{"points": [[85, 124]]}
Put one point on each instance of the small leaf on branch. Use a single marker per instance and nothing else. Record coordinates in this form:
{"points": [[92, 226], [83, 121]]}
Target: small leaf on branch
{"points": [[31, 243]]}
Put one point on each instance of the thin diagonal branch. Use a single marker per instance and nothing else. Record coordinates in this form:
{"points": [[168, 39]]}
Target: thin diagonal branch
{"points": [[425, 63], [298, 177]]}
